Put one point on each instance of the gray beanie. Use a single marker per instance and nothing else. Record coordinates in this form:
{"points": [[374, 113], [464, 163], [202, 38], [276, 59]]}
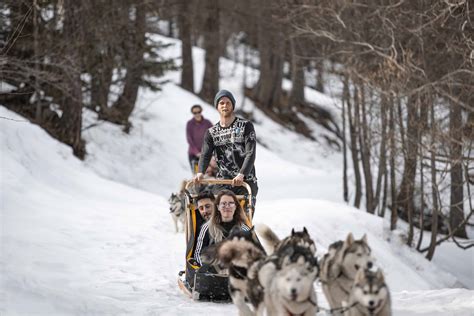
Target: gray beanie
{"points": [[224, 93]]}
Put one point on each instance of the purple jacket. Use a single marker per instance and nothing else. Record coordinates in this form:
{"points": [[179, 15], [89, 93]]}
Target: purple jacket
{"points": [[195, 132]]}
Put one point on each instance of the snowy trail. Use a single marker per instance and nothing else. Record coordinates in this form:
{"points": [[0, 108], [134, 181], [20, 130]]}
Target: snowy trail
{"points": [[77, 244], [95, 237]]}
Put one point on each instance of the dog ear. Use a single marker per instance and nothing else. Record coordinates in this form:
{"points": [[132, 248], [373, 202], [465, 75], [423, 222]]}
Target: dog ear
{"points": [[234, 231], [305, 230], [379, 275], [349, 240], [364, 239], [292, 232], [359, 276]]}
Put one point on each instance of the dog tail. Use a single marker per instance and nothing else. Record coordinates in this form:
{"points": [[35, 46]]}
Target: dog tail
{"points": [[268, 236]]}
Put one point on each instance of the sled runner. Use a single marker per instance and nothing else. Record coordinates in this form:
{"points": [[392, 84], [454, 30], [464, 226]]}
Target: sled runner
{"points": [[202, 283]]}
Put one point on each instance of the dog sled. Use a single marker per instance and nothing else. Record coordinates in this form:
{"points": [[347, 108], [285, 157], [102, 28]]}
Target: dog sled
{"points": [[202, 283]]}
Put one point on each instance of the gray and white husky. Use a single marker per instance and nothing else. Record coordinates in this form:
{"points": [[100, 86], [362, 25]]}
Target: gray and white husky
{"points": [[177, 209], [286, 276], [289, 289], [340, 265], [369, 295]]}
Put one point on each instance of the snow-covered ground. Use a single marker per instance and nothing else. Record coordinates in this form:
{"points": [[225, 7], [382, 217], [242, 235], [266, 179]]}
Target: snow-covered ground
{"points": [[95, 237]]}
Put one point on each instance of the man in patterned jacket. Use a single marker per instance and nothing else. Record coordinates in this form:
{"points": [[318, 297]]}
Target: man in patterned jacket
{"points": [[232, 141]]}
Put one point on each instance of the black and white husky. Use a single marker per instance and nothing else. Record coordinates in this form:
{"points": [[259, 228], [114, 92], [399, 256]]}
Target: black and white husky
{"points": [[340, 265], [369, 295]]}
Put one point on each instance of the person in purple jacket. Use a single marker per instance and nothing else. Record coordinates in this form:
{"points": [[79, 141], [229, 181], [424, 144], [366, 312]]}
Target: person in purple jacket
{"points": [[195, 130]]}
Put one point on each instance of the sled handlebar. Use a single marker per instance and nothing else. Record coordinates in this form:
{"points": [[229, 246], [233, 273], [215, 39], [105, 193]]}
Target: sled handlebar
{"points": [[219, 181]]}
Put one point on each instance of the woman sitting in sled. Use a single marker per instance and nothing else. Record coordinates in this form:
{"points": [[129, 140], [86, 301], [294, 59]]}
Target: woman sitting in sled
{"points": [[227, 214]]}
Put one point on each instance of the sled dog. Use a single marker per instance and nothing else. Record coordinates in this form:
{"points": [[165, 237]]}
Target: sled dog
{"points": [[289, 286], [369, 295], [293, 264], [177, 209], [340, 265], [274, 243], [210, 254], [237, 254]]}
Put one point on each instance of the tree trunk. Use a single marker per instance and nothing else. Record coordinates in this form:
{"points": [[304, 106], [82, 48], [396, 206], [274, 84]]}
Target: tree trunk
{"points": [[271, 47], [456, 213], [170, 27], [125, 104], [297, 76], [383, 154], [354, 129], [187, 70], [361, 117], [434, 186], [407, 187], [345, 100], [101, 79], [70, 124], [422, 200], [320, 76], [393, 154], [384, 194], [36, 55], [210, 81]]}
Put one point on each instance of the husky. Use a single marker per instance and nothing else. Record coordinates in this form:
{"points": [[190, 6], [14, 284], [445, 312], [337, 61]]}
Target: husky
{"points": [[289, 286], [274, 243], [177, 209], [340, 265], [210, 255], [238, 253], [292, 261], [369, 295]]}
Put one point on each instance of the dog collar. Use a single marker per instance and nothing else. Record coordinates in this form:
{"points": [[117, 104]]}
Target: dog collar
{"points": [[289, 313]]}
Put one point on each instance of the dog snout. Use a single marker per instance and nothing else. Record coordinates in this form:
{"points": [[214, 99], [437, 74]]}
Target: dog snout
{"points": [[370, 264], [294, 293], [371, 303]]}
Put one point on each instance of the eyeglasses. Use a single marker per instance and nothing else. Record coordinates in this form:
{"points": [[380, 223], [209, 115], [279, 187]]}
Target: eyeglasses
{"points": [[225, 204], [205, 206], [195, 113]]}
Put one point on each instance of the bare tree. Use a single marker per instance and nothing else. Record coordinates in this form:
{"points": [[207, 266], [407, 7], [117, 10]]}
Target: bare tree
{"points": [[297, 96], [210, 81], [456, 213], [185, 35]]}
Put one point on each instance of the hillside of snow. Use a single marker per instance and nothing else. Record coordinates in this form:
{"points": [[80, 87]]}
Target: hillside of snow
{"points": [[94, 237]]}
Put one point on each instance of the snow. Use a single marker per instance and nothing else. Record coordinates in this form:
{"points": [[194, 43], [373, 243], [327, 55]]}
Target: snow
{"points": [[6, 87], [94, 237]]}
